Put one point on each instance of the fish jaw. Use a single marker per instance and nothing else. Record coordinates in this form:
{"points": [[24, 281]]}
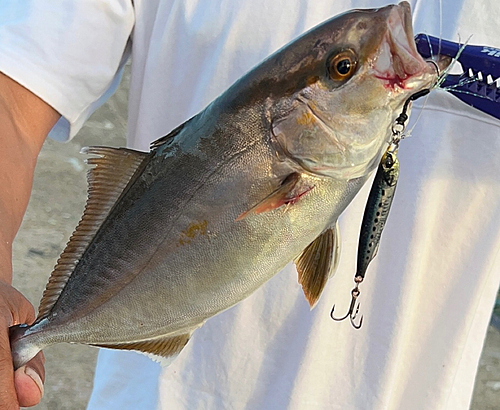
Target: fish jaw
{"points": [[398, 64]]}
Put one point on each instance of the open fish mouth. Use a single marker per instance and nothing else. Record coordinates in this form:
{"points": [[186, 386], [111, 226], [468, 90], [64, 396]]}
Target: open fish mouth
{"points": [[398, 62]]}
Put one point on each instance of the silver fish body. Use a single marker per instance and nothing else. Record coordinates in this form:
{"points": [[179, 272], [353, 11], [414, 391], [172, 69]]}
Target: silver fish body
{"points": [[172, 237]]}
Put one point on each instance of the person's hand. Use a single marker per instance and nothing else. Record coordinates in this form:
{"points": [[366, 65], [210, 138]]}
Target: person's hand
{"points": [[25, 120], [25, 386]]}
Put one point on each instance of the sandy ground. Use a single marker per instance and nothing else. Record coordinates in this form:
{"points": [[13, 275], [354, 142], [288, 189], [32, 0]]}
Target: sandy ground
{"points": [[56, 205]]}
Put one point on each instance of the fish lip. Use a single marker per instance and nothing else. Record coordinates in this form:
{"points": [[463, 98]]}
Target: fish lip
{"points": [[398, 61]]}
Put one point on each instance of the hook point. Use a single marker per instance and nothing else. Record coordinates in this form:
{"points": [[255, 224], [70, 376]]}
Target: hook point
{"points": [[353, 309], [354, 324], [336, 318]]}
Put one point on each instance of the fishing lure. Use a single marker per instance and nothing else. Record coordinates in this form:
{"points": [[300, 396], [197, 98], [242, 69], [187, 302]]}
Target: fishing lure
{"points": [[376, 213], [377, 208]]}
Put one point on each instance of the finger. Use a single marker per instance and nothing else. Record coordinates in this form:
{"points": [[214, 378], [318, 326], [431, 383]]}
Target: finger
{"points": [[28, 381], [26, 384], [8, 396]]}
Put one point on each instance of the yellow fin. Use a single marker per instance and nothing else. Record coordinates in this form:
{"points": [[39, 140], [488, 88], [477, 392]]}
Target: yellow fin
{"points": [[114, 169], [317, 263], [163, 347]]}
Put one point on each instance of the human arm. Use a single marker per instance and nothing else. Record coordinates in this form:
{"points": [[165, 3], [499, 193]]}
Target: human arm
{"points": [[25, 121]]}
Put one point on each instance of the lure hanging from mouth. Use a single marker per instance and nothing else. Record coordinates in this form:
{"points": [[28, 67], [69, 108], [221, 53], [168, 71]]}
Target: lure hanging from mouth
{"points": [[378, 207]]}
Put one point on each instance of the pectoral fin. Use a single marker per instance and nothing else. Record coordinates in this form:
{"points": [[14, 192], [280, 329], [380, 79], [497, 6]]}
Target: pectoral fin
{"points": [[289, 192], [318, 262]]}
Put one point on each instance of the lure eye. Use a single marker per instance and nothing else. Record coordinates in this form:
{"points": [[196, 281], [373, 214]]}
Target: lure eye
{"points": [[389, 161], [341, 66]]}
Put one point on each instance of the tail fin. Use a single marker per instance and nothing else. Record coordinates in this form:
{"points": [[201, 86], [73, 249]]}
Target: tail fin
{"points": [[22, 349]]}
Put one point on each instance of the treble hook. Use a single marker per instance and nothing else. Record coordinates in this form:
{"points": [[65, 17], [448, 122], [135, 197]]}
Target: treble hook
{"points": [[352, 313]]}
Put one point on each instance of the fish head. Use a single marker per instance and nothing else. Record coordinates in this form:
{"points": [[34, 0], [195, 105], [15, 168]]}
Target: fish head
{"points": [[350, 78]]}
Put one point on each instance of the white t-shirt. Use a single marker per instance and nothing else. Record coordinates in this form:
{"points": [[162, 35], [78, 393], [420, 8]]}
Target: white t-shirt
{"points": [[428, 294]]}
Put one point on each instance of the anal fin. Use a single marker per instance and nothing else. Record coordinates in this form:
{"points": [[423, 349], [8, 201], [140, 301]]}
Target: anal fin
{"points": [[162, 347], [318, 262]]}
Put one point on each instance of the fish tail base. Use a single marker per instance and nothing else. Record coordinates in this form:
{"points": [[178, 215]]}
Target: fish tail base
{"points": [[21, 347]]}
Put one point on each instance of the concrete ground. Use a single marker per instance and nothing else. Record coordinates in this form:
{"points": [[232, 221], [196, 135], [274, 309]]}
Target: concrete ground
{"points": [[56, 205]]}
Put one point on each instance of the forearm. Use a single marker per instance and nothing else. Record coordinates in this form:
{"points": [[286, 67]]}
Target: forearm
{"points": [[25, 120]]}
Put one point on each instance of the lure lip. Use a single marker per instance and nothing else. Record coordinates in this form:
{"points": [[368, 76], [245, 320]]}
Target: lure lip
{"points": [[478, 84]]}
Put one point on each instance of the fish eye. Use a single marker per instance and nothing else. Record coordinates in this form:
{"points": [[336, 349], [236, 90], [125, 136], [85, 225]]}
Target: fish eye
{"points": [[341, 65], [344, 66]]}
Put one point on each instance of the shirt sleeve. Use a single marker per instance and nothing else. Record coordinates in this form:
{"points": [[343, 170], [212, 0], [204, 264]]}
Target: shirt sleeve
{"points": [[70, 53]]}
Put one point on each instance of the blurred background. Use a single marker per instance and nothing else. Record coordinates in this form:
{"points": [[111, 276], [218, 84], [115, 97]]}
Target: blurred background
{"points": [[56, 205]]}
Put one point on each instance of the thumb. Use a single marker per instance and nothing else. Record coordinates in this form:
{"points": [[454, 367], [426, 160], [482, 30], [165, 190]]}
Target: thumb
{"points": [[28, 381], [8, 395], [22, 387]]}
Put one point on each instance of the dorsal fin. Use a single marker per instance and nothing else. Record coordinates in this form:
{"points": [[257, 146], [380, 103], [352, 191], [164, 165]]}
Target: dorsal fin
{"points": [[318, 262], [114, 169], [163, 347]]}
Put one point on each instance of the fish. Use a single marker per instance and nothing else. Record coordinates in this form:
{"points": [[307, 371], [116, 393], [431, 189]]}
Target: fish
{"points": [[171, 237]]}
